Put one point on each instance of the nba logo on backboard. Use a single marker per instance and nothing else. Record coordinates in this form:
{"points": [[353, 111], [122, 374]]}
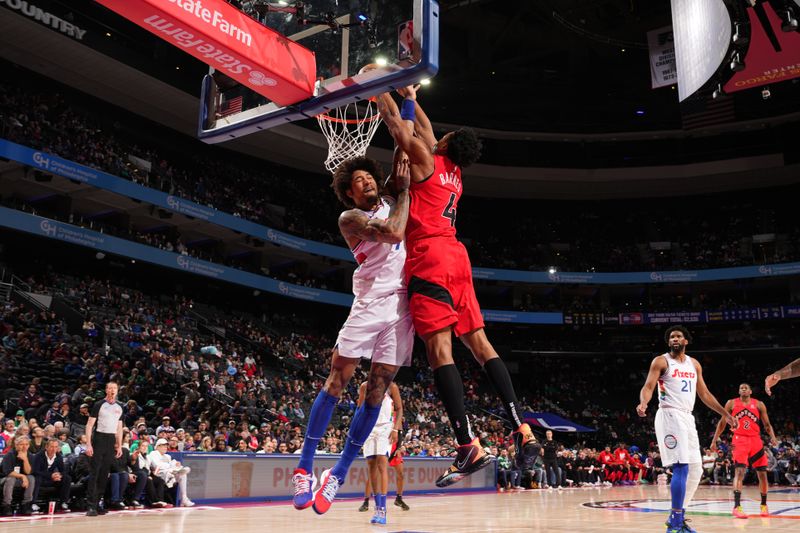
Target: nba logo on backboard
{"points": [[405, 41]]}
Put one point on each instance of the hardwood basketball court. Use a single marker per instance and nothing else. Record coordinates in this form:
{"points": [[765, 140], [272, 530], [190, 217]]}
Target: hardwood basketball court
{"points": [[631, 509]]}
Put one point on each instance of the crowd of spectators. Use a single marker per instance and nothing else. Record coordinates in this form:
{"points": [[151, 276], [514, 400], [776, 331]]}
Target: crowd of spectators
{"points": [[249, 389], [621, 236]]}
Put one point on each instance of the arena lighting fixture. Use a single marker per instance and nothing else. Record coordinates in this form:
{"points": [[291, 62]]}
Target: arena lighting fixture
{"points": [[381, 61], [789, 21], [737, 65], [640, 112], [739, 39]]}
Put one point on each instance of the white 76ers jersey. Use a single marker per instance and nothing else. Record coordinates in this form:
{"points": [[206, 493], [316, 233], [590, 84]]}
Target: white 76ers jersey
{"points": [[677, 386], [380, 265]]}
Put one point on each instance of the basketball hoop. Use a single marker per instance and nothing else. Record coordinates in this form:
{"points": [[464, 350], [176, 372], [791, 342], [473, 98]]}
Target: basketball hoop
{"points": [[349, 130]]}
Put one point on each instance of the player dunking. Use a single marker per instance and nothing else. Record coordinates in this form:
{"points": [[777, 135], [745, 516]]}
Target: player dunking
{"points": [[748, 449], [439, 274], [379, 326], [792, 370], [679, 379]]}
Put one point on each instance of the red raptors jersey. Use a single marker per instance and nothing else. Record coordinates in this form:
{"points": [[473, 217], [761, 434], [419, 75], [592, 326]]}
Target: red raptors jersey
{"points": [[434, 203], [748, 417]]}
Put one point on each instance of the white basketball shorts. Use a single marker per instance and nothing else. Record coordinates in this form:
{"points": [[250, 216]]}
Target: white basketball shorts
{"points": [[379, 329], [378, 441], [676, 432]]}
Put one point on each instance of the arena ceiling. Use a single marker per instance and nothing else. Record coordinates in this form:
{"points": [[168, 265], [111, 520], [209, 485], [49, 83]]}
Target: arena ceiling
{"points": [[526, 70]]}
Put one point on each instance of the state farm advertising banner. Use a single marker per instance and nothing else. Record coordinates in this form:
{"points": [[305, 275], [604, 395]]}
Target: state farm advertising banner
{"points": [[217, 476], [773, 55], [663, 71], [220, 35]]}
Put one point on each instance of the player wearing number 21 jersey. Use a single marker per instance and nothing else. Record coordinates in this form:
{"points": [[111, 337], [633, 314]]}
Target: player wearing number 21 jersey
{"points": [[679, 379]]}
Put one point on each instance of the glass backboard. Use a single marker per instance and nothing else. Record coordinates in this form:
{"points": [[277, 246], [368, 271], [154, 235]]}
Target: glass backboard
{"points": [[345, 35]]}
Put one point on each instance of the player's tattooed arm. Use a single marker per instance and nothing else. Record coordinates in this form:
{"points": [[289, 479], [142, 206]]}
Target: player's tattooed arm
{"points": [[355, 225], [792, 370]]}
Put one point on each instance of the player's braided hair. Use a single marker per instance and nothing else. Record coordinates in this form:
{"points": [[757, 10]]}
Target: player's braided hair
{"points": [[343, 177], [464, 147], [682, 329]]}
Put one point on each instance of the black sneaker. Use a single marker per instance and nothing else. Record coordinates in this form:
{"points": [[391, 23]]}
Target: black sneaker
{"points": [[117, 506], [364, 506], [102, 510], [135, 504], [469, 459], [5, 510], [525, 445], [91, 511], [63, 508], [26, 509], [401, 504]]}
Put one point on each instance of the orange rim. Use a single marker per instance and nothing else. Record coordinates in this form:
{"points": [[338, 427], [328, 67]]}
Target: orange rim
{"points": [[326, 116]]}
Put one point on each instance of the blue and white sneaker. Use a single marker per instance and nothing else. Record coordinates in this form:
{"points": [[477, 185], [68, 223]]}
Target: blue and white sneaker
{"points": [[677, 523], [379, 518], [303, 483]]}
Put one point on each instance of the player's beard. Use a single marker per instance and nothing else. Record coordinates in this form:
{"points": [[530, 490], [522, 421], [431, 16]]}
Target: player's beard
{"points": [[676, 349]]}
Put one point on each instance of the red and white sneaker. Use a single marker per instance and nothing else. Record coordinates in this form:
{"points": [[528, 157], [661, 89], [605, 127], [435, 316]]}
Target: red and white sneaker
{"points": [[323, 497]]}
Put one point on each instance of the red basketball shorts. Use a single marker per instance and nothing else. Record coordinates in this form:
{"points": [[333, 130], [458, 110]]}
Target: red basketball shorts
{"points": [[748, 450], [440, 289]]}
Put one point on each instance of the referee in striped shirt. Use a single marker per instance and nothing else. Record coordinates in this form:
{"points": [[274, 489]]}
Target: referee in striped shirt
{"points": [[104, 444]]}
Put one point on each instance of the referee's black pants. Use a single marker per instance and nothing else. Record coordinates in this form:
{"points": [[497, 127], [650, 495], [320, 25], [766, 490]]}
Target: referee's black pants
{"points": [[102, 459]]}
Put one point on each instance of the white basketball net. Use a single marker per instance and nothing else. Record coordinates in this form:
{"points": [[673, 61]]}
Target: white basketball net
{"points": [[349, 130]]}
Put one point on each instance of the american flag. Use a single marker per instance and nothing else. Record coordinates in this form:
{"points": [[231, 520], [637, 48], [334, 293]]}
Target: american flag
{"points": [[231, 106]]}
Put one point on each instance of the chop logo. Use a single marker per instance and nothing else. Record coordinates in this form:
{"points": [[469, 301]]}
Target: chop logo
{"points": [[183, 262], [554, 276], [678, 374], [41, 160], [283, 288], [655, 276], [271, 235], [48, 228], [763, 269], [173, 202], [259, 79]]}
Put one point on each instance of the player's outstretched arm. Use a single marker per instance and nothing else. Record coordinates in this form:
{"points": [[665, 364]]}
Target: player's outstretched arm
{"points": [[720, 426], [792, 370], [422, 125], [762, 410], [355, 225], [709, 399], [418, 153], [657, 367]]}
